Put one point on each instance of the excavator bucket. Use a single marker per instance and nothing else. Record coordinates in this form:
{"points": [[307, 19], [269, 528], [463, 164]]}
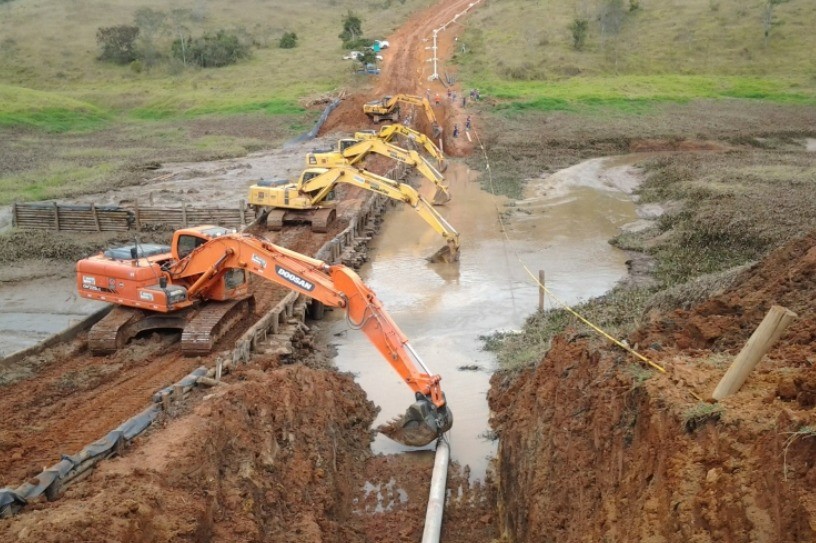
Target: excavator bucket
{"points": [[421, 424], [448, 254], [437, 130], [440, 197]]}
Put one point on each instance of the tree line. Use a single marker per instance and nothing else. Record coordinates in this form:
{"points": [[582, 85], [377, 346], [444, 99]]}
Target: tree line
{"points": [[155, 36]]}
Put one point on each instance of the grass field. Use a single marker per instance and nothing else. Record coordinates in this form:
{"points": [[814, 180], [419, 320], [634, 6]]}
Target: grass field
{"points": [[667, 50], [71, 124], [51, 46]]}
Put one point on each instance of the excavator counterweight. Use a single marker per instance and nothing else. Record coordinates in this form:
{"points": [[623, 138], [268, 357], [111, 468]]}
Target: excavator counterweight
{"points": [[208, 266]]}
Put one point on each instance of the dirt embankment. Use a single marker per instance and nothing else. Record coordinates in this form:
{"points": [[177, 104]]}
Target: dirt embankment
{"points": [[637, 458], [279, 455]]}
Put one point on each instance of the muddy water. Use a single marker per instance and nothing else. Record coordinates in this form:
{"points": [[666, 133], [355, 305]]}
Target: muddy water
{"points": [[562, 226]]}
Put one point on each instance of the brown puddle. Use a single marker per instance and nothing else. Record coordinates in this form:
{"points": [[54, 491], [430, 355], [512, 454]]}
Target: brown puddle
{"points": [[561, 227]]}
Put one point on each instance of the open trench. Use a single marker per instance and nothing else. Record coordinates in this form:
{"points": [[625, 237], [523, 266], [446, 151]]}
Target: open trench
{"points": [[301, 427], [562, 226]]}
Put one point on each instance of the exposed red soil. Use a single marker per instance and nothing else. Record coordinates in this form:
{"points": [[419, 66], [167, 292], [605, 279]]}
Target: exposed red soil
{"points": [[280, 455], [303, 502], [405, 71], [638, 460], [76, 398]]}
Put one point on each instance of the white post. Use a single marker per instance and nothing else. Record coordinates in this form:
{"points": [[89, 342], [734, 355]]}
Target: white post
{"points": [[434, 59], [436, 498]]}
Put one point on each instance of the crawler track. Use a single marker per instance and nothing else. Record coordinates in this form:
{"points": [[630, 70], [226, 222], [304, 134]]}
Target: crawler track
{"points": [[75, 397]]}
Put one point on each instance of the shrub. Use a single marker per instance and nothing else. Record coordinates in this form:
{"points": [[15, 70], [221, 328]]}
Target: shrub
{"points": [[288, 40], [359, 44], [352, 30], [118, 43], [213, 50], [579, 29]]}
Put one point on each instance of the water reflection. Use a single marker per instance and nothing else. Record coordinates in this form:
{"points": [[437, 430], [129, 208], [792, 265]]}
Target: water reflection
{"points": [[562, 226]]}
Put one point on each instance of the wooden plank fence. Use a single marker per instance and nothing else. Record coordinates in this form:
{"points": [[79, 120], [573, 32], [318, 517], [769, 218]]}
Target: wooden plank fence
{"points": [[93, 218], [186, 215], [82, 218]]}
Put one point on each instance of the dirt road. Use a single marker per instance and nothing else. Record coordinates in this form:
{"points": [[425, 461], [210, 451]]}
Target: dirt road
{"points": [[406, 70]]}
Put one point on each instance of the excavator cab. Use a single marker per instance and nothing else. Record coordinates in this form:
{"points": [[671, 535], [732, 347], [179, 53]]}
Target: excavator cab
{"points": [[186, 240]]}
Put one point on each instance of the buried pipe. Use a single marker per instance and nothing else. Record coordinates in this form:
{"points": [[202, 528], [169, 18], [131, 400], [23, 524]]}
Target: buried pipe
{"points": [[436, 497]]}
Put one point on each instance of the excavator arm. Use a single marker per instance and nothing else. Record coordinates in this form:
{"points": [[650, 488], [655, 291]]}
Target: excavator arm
{"points": [[334, 286], [321, 185], [388, 108], [388, 132], [356, 152]]}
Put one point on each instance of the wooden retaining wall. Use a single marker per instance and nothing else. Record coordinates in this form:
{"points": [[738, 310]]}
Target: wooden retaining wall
{"points": [[93, 218], [81, 218]]}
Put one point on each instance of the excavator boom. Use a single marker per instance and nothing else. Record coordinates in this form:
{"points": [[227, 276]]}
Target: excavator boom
{"points": [[192, 278], [388, 108], [395, 190], [350, 152], [389, 131], [317, 184]]}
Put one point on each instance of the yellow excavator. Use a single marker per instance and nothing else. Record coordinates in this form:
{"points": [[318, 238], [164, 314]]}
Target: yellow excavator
{"points": [[351, 151], [390, 131], [309, 200], [388, 108]]}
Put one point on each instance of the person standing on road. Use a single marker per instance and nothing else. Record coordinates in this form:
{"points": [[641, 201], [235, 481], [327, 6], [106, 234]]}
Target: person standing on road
{"points": [[456, 131], [436, 99], [467, 123]]}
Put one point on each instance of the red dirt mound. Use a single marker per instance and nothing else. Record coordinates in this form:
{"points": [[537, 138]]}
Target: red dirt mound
{"points": [[636, 458]]}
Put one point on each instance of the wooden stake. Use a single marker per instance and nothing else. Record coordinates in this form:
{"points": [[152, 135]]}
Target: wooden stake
{"points": [[56, 216], [241, 210], [541, 290], [96, 217], [184, 213], [138, 216], [763, 338]]}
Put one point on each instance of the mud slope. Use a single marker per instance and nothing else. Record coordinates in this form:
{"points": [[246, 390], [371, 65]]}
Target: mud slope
{"points": [[281, 455], [595, 448]]}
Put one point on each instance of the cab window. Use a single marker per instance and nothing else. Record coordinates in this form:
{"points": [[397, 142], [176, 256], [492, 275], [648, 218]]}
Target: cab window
{"points": [[186, 244]]}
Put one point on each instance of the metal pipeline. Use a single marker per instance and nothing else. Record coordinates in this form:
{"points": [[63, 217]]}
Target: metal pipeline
{"points": [[436, 497]]}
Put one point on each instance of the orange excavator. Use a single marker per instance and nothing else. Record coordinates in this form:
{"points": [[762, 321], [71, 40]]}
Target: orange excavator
{"points": [[207, 266]]}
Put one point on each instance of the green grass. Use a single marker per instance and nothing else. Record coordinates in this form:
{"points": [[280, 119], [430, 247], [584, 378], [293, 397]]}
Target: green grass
{"points": [[71, 124], [60, 179], [637, 94], [176, 108], [47, 47], [667, 51], [47, 111]]}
